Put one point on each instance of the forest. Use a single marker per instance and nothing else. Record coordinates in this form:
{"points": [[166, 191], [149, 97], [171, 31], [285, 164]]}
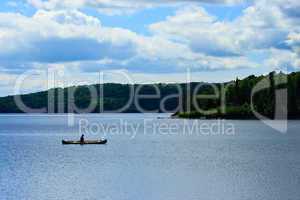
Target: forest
{"points": [[231, 100], [277, 92]]}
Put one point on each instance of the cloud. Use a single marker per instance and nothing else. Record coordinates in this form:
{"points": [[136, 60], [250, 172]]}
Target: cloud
{"points": [[289, 7], [61, 36], [70, 36], [283, 60], [202, 32], [191, 38], [6, 79], [115, 7], [263, 26], [293, 41]]}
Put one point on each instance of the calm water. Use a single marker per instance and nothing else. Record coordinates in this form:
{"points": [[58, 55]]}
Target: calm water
{"points": [[142, 162]]}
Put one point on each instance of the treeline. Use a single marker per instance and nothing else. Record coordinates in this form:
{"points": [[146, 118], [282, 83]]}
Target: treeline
{"points": [[230, 100], [108, 97], [263, 94]]}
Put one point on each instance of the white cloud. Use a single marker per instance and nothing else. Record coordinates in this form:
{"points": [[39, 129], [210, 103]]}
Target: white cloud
{"points": [[113, 7], [283, 60], [265, 25], [258, 27], [53, 36], [68, 36], [201, 31]]}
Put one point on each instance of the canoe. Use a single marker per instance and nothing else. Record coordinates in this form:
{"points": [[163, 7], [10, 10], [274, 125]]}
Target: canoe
{"points": [[85, 142]]}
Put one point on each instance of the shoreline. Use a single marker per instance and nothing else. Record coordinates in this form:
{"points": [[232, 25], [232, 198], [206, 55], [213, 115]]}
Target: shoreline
{"points": [[171, 116]]}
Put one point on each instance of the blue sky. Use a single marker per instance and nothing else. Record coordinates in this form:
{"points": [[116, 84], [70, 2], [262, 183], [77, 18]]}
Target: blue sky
{"points": [[150, 40]]}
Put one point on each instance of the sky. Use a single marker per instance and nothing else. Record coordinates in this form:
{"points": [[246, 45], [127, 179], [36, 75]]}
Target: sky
{"points": [[144, 41]]}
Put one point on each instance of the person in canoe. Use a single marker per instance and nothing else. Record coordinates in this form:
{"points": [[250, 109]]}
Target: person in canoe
{"points": [[82, 139]]}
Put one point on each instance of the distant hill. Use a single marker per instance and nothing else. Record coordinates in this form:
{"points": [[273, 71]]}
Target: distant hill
{"points": [[115, 96]]}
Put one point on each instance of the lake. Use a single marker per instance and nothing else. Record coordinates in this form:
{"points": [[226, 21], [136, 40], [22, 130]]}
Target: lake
{"points": [[149, 157]]}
